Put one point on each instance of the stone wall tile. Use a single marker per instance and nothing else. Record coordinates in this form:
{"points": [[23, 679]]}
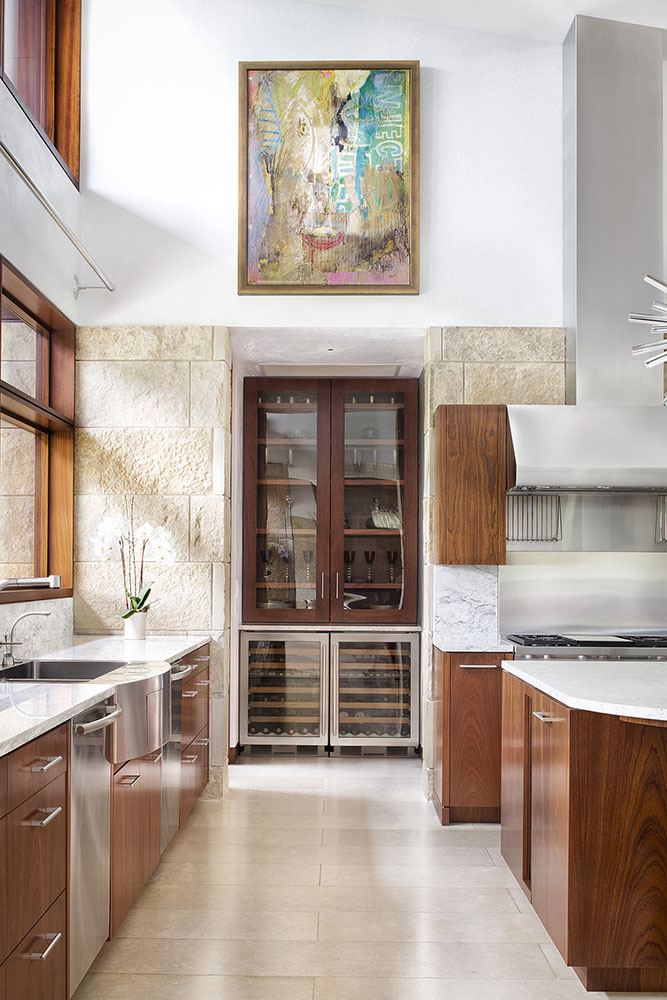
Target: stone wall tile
{"points": [[17, 461], [148, 343], [210, 399], [222, 344], [515, 383], [180, 602], [17, 525], [433, 344], [503, 343], [132, 393], [160, 461], [168, 512], [19, 342], [209, 529], [222, 465], [20, 374], [443, 384], [221, 592], [35, 632]]}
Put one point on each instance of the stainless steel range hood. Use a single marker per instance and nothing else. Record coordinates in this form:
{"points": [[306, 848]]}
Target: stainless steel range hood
{"points": [[590, 447]]}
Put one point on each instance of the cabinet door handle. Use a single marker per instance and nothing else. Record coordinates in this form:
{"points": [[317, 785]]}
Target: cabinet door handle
{"points": [[178, 675], [336, 586], [543, 717], [51, 813], [51, 762], [322, 585], [190, 694], [93, 727], [155, 757], [128, 780], [191, 758], [40, 956], [201, 659], [478, 666], [203, 742], [203, 684]]}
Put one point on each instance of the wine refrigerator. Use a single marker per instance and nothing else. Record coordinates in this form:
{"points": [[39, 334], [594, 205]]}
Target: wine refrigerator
{"points": [[330, 689]]}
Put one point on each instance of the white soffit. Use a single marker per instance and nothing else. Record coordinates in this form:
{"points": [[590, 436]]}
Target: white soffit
{"points": [[541, 20]]}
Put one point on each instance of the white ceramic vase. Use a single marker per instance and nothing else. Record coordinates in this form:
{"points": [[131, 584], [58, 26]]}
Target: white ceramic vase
{"points": [[135, 625]]}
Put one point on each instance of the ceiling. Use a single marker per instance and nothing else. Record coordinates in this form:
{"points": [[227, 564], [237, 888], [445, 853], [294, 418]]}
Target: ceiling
{"points": [[542, 20]]}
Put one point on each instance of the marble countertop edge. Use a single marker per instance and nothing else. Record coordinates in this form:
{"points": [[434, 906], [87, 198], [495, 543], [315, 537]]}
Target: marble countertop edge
{"points": [[17, 728]]}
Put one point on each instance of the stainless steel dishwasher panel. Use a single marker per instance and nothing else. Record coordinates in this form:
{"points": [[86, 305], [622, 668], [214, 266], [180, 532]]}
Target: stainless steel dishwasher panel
{"points": [[146, 703], [90, 833], [171, 758]]}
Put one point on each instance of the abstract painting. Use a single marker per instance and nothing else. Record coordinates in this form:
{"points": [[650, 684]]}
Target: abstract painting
{"points": [[329, 178]]}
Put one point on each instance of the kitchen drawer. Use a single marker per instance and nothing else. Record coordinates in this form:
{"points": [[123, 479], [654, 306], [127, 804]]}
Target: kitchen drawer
{"points": [[34, 765], [135, 832], [37, 968], [36, 856], [4, 900], [199, 659], [202, 748], [194, 705], [3, 786], [189, 781]]}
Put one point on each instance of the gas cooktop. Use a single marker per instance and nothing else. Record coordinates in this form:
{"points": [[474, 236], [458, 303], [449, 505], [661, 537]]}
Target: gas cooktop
{"points": [[583, 646], [587, 640]]}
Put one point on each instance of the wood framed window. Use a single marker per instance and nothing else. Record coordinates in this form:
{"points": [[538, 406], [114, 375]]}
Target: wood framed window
{"points": [[37, 344], [40, 63]]}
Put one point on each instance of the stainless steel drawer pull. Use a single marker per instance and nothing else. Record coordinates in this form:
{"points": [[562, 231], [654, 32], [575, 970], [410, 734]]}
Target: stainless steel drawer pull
{"points": [[39, 956], [51, 813], [322, 586], [203, 742], [154, 758], [190, 694], [178, 675], [92, 727], [203, 684], [51, 762], [336, 586], [543, 717], [128, 780], [478, 666], [201, 659], [191, 758]]}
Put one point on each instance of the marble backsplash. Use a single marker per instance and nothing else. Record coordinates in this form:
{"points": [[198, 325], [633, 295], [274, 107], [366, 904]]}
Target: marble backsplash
{"points": [[465, 608], [34, 632]]}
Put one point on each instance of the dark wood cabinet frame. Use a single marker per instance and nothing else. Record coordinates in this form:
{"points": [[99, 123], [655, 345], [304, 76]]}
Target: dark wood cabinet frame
{"points": [[51, 412]]}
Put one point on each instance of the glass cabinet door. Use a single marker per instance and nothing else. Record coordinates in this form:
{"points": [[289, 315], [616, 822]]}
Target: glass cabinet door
{"points": [[374, 499], [374, 689], [284, 688], [286, 498]]}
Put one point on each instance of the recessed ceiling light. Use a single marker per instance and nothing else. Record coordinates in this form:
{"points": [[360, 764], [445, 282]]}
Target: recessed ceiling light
{"points": [[329, 348]]}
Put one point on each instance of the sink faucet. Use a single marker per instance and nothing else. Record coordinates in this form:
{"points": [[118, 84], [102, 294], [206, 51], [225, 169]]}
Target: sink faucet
{"points": [[52, 582], [8, 655]]}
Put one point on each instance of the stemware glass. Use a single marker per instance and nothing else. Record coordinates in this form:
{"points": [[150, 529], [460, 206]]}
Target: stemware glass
{"points": [[308, 559], [286, 558], [265, 556], [348, 556], [392, 556], [369, 556]]}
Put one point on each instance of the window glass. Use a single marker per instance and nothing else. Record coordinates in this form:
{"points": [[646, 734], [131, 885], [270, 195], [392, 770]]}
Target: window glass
{"points": [[18, 353], [25, 53], [18, 455]]}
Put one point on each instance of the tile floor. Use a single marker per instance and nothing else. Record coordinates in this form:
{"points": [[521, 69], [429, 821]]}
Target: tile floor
{"points": [[320, 879]]}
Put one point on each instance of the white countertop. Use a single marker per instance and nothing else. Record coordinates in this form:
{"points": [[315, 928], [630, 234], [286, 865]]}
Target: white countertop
{"points": [[29, 709], [636, 688], [113, 647], [475, 645]]}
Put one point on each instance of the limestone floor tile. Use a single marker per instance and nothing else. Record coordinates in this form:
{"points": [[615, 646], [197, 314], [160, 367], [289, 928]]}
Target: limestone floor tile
{"points": [[476, 926], [115, 986], [257, 836], [213, 873], [324, 958], [230, 924], [555, 960], [211, 899], [446, 836], [411, 875], [308, 800], [451, 989]]}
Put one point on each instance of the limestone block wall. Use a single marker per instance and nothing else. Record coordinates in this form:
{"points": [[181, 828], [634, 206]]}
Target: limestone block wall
{"points": [[490, 365], [153, 419]]}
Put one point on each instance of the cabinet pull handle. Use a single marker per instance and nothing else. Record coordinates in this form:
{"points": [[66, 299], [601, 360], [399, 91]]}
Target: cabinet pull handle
{"points": [[190, 694], [128, 780], [51, 813], [92, 727], [191, 758], [155, 757], [336, 586], [202, 659], [543, 717], [478, 666], [40, 956], [51, 762], [323, 585], [203, 742], [203, 684]]}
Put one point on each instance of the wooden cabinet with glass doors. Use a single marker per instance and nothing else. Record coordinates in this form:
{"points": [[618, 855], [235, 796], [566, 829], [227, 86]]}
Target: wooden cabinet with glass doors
{"points": [[330, 501]]}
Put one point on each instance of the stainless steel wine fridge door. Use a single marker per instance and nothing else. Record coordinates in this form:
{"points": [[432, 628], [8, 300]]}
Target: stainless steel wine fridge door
{"points": [[285, 688], [375, 689]]}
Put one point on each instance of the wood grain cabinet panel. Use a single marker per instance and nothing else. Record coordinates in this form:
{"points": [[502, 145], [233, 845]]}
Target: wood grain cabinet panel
{"points": [[36, 764], [517, 707], [550, 815], [36, 855], [195, 704], [472, 465], [4, 899], [135, 832], [202, 747], [37, 968], [4, 803]]}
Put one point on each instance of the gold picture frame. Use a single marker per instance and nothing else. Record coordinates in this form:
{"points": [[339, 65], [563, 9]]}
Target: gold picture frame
{"points": [[328, 178]]}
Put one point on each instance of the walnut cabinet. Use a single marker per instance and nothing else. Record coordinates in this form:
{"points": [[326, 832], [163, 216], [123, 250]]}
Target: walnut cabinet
{"points": [[584, 830], [330, 501]]}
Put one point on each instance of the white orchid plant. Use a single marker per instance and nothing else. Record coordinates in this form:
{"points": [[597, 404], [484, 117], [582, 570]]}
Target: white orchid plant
{"points": [[118, 539]]}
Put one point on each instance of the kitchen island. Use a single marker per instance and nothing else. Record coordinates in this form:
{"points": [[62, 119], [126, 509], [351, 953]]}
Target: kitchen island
{"points": [[584, 812]]}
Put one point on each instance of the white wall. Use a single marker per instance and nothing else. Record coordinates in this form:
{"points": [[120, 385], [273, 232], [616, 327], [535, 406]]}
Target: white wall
{"points": [[159, 169]]}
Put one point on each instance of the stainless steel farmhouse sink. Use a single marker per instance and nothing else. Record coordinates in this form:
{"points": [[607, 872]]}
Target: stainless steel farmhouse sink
{"points": [[143, 693], [59, 670]]}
